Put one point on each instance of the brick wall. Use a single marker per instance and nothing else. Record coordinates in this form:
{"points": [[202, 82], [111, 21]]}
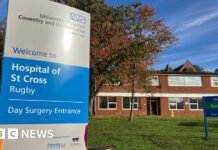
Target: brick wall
{"points": [[205, 88], [163, 101], [163, 87], [142, 110], [186, 112]]}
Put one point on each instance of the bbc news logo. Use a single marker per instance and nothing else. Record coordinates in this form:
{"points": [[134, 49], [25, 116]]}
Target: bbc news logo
{"points": [[14, 133]]}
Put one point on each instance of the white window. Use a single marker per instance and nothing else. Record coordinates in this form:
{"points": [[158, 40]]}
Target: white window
{"points": [[184, 81], [195, 103], [116, 83], [155, 81], [127, 103], [107, 103], [214, 81], [176, 103]]}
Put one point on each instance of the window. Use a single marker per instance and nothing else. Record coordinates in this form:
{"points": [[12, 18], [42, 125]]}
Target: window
{"points": [[184, 81], [155, 81], [195, 103], [127, 103], [176, 103], [116, 83], [108, 103], [214, 81]]}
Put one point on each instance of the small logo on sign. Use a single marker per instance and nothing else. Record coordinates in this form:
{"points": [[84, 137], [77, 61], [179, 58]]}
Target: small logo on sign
{"points": [[56, 145], [76, 141], [78, 18]]}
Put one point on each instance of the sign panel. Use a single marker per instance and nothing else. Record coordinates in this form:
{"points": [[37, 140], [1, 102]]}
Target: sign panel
{"points": [[210, 110], [45, 76], [211, 106]]}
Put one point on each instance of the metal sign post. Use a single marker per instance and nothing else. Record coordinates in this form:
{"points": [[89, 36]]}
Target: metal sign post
{"points": [[205, 120]]}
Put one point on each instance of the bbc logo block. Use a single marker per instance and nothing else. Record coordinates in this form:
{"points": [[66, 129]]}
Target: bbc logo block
{"points": [[13, 133], [2, 133]]}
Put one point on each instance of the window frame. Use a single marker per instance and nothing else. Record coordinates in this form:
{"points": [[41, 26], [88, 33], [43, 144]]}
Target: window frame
{"points": [[177, 98], [137, 103], [211, 81], [197, 103], [155, 81], [108, 103]]}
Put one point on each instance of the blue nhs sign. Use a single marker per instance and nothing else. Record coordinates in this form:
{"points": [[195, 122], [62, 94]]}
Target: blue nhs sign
{"points": [[78, 18]]}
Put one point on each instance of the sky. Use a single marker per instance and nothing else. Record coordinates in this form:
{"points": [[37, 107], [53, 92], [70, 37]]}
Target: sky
{"points": [[193, 22]]}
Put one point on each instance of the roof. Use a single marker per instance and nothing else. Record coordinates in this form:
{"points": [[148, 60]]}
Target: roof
{"points": [[168, 68], [186, 68], [186, 73]]}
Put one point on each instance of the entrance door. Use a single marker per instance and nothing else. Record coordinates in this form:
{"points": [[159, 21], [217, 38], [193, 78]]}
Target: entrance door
{"points": [[152, 107]]}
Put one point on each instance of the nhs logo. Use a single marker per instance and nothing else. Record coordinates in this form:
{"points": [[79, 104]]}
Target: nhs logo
{"points": [[78, 18]]}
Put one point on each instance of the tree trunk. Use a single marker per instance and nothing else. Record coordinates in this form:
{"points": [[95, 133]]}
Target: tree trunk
{"points": [[132, 104], [92, 106], [92, 95], [94, 89], [133, 91]]}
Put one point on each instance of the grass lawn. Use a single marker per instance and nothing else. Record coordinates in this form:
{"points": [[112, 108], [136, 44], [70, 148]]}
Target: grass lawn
{"points": [[153, 133]]}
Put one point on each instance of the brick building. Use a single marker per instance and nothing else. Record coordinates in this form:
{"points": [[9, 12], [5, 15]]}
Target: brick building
{"points": [[175, 92]]}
